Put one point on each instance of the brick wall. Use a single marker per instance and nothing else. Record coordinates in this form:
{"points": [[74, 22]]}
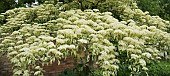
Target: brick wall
{"points": [[5, 66], [51, 70], [55, 69]]}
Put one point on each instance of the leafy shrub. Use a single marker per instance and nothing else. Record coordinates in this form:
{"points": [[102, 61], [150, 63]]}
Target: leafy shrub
{"points": [[123, 70], [81, 70], [159, 68], [68, 72]]}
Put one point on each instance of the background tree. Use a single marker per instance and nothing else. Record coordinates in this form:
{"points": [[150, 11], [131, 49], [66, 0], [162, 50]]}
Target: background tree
{"points": [[6, 5], [156, 7]]}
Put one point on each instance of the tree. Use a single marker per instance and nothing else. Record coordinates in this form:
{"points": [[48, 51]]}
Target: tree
{"points": [[33, 37], [6, 5], [156, 7], [11, 4]]}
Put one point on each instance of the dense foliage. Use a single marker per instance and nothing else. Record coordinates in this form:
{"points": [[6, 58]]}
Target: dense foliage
{"points": [[156, 7], [159, 68], [37, 36], [11, 4], [6, 5]]}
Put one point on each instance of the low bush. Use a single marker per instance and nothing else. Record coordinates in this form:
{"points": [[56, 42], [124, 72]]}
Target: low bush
{"points": [[161, 68]]}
